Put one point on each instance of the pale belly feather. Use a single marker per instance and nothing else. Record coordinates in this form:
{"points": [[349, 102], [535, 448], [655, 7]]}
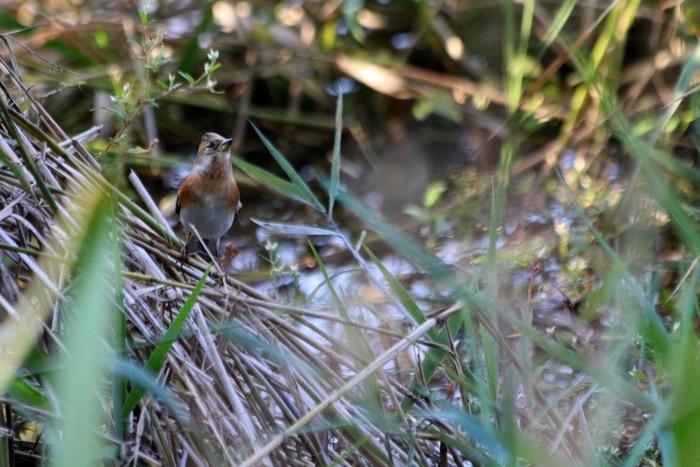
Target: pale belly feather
{"points": [[211, 223]]}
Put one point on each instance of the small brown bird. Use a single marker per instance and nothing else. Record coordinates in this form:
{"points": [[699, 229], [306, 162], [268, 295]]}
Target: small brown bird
{"points": [[208, 198]]}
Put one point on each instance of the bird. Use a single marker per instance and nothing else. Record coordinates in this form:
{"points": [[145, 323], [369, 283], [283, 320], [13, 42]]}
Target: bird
{"points": [[208, 198]]}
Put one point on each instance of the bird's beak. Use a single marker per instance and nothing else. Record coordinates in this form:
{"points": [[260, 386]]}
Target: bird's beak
{"points": [[226, 145]]}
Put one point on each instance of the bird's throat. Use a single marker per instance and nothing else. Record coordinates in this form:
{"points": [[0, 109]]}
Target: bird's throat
{"points": [[217, 166]]}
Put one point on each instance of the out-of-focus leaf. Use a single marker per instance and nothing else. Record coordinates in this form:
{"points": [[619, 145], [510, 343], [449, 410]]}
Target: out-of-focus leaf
{"points": [[350, 10], [438, 103], [82, 365], [490, 444], [433, 193], [187, 76]]}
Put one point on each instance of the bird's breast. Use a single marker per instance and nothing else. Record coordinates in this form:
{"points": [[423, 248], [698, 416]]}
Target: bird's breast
{"points": [[209, 204]]}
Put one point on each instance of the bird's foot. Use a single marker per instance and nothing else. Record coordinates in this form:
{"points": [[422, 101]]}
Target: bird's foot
{"points": [[231, 253]]}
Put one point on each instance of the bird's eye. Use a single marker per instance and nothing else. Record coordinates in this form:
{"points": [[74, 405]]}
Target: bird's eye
{"points": [[211, 145]]}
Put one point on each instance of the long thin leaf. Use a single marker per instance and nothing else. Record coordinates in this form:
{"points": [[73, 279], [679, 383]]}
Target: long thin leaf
{"points": [[271, 181], [291, 173], [351, 333], [431, 362], [398, 240], [25, 392], [119, 383], [335, 165], [406, 300], [293, 229], [83, 363], [555, 27], [483, 435], [157, 358], [27, 158]]}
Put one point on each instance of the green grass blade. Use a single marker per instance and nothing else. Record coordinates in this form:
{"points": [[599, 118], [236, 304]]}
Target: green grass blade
{"points": [[25, 392], [655, 325], [682, 85], [489, 442], [293, 229], [335, 165], [431, 362], [78, 389], [489, 345], [119, 383], [291, 173], [406, 300], [354, 338], [399, 241], [27, 158], [157, 358], [334, 294], [557, 25], [602, 372], [679, 442], [138, 375], [271, 181]]}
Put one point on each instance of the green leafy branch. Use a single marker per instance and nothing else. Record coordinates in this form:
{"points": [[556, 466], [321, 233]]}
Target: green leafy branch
{"points": [[127, 104]]}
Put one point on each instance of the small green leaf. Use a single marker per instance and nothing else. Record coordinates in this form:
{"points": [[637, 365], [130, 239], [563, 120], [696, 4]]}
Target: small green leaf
{"points": [[187, 76], [143, 14], [417, 212], [117, 91], [433, 193], [102, 38], [116, 112]]}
